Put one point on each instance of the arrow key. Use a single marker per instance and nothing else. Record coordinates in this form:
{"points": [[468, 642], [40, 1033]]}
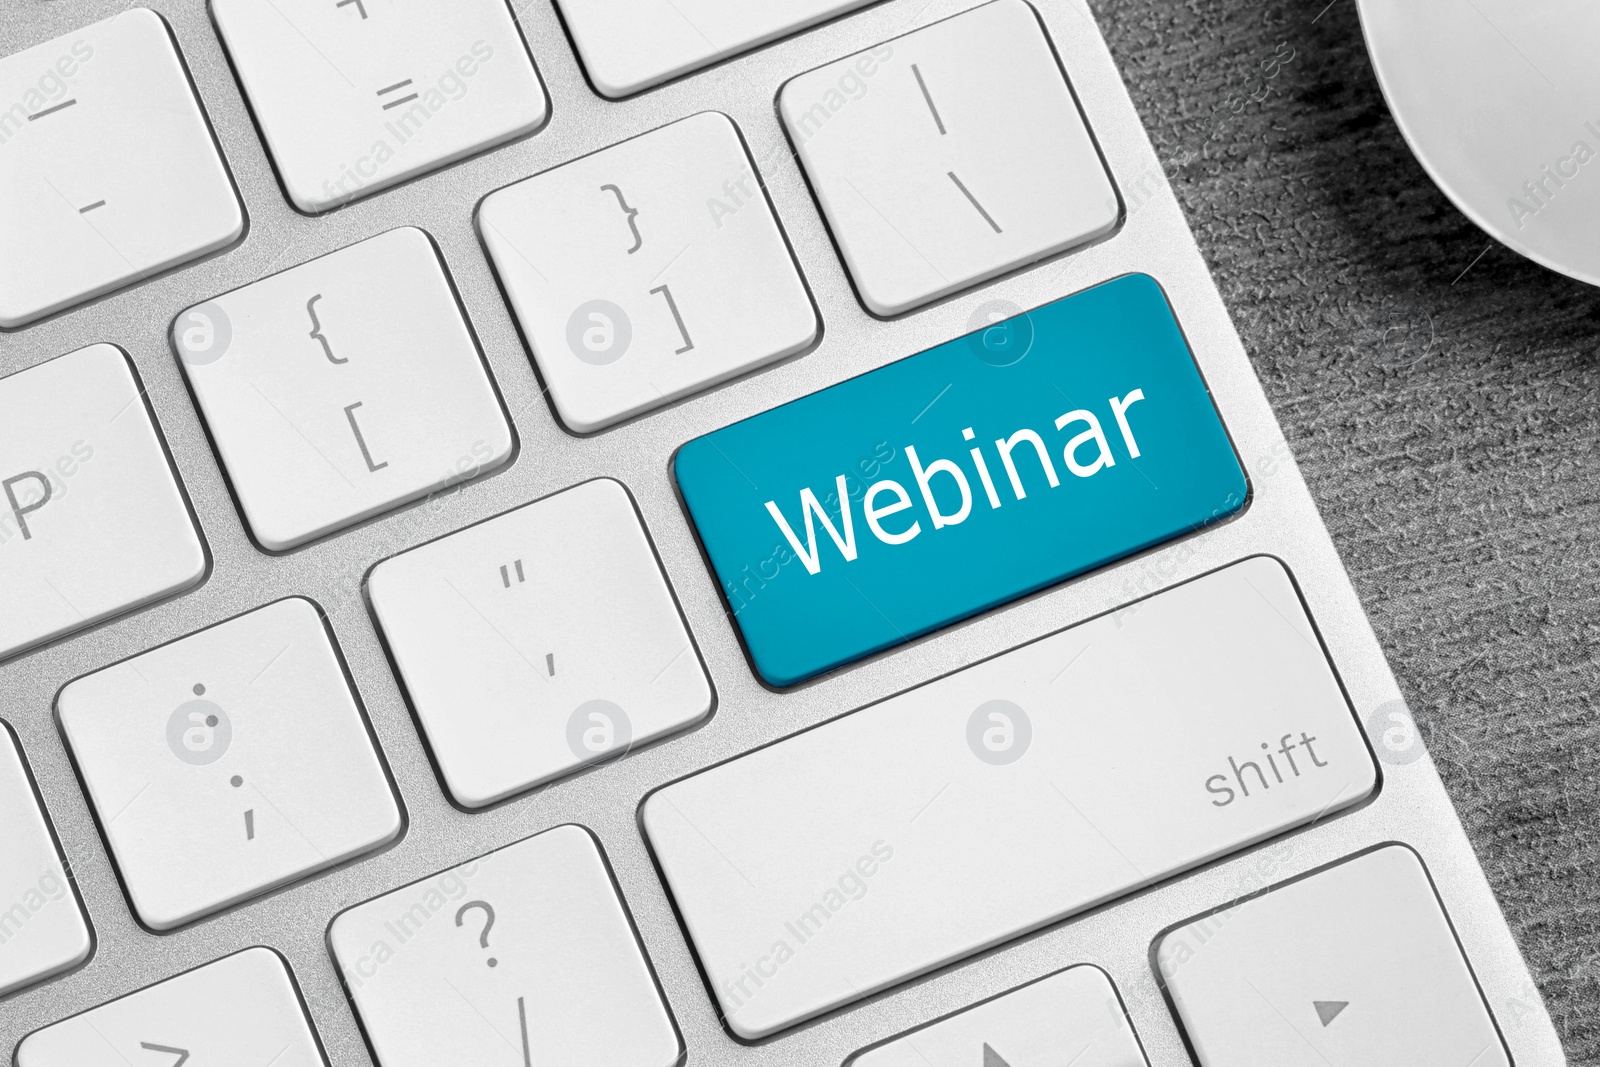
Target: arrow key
{"points": [[1255, 982], [241, 1009], [1070, 1017]]}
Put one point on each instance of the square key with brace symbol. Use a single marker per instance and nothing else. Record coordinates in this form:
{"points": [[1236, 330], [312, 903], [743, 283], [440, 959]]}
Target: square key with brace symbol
{"points": [[228, 763], [342, 388], [538, 642], [108, 169], [523, 957], [647, 271], [964, 157], [354, 96]]}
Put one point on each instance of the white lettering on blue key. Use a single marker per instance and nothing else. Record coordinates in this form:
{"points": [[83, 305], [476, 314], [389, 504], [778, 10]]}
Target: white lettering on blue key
{"points": [[953, 481]]}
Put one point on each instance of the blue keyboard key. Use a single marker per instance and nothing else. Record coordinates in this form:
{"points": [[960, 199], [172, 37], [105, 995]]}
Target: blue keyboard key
{"points": [[958, 479]]}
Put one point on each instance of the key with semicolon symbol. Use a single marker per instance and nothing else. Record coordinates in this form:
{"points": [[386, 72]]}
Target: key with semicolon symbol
{"points": [[342, 388], [538, 642], [1071, 1017], [355, 97], [241, 1010], [92, 519], [637, 282], [519, 958], [108, 167], [228, 763], [42, 929], [965, 157], [1352, 965]]}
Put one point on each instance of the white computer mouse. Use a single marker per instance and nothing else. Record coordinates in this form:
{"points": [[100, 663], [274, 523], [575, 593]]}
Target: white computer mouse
{"points": [[1500, 100]]}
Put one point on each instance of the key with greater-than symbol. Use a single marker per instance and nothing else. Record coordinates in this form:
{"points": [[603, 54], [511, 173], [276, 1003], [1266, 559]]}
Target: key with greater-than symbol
{"points": [[241, 1009], [1353, 965]]}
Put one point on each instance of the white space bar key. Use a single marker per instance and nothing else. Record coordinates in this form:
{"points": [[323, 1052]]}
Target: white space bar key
{"points": [[1006, 796]]}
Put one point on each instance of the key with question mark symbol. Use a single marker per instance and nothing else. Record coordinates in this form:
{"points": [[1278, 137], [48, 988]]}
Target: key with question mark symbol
{"points": [[483, 940], [488, 922], [572, 986]]}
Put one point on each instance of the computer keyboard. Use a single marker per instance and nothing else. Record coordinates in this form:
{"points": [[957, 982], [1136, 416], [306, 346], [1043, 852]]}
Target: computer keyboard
{"points": [[716, 532]]}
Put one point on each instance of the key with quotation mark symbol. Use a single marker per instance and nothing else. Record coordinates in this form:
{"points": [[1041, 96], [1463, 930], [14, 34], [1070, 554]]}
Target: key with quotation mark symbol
{"points": [[466, 637]]}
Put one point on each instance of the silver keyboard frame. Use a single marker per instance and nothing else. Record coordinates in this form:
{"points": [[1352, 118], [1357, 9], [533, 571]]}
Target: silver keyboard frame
{"points": [[1281, 520]]}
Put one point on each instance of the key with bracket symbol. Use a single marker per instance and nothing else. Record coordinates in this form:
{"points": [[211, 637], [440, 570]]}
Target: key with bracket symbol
{"points": [[378, 346], [604, 328]]}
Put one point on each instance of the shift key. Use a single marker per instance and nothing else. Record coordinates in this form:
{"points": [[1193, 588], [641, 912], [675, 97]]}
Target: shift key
{"points": [[1007, 796]]}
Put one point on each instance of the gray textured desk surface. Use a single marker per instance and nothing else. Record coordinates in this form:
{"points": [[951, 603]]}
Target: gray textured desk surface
{"points": [[1440, 394]]}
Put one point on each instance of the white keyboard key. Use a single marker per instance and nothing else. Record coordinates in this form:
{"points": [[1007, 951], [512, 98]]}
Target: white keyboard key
{"points": [[540, 641], [1352, 966], [523, 956], [92, 522], [630, 47], [359, 95], [241, 1010], [342, 388], [42, 928], [108, 169], [228, 763], [949, 156], [1073, 1017], [647, 271], [1008, 795]]}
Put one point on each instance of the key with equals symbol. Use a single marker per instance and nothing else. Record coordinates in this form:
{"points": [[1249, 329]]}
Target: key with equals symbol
{"points": [[395, 88]]}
